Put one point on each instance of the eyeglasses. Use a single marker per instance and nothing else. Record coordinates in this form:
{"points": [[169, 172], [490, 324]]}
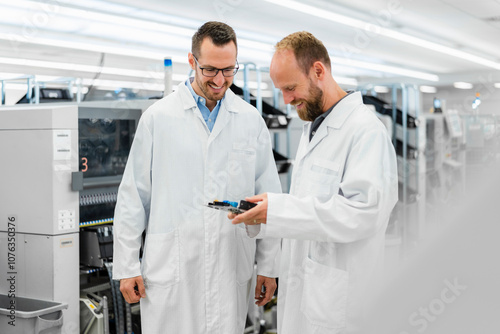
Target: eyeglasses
{"points": [[212, 72]]}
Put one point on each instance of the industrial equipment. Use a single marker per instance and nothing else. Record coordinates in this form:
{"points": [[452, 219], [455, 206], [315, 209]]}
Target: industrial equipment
{"points": [[62, 165]]}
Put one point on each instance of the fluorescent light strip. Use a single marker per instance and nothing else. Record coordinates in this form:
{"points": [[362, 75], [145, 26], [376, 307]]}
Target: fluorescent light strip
{"points": [[128, 22], [428, 89], [362, 25], [82, 68], [115, 8], [144, 14], [183, 59], [385, 68], [439, 48], [137, 23], [93, 15], [321, 13], [463, 85], [346, 81], [158, 75], [147, 16], [92, 47], [14, 39]]}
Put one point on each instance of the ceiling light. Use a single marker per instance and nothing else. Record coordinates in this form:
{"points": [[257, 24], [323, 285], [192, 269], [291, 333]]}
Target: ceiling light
{"points": [[346, 81], [183, 59], [95, 16], [376, 29], [321, 13], [462, 85], [497, 84], [154, 75], [385, 68], [428, 89], [140, 26], [381, 89], [441, 48], [251, 48], [93, 47]]}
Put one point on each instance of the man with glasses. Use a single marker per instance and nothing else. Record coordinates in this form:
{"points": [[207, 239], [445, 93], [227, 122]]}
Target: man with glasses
{"points": [[198, 144]]}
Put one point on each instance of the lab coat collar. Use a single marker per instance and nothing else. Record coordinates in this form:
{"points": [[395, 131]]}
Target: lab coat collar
{"points": [[342, 110], [222, 119], [334, 120], [187, 99]]}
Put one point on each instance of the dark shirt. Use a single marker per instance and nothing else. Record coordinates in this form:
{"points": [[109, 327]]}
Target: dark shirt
{"points": [[317, 122]]}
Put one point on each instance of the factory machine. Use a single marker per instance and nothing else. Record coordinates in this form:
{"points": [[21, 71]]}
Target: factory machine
{"points": [[60, 172], [432, 177]]}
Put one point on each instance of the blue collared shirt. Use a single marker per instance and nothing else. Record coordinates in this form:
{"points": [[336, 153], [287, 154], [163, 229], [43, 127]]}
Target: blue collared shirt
{"points": [[201, 102]]}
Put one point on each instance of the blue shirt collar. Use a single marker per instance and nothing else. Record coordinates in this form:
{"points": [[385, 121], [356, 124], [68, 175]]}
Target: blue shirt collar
{"points": [[198, 99], [209, 116]]}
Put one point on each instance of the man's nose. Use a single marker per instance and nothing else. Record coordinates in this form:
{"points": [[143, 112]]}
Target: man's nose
{"points": [[219, 79], [287, 97]]}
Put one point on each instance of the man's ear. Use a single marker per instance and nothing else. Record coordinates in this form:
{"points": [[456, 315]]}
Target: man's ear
{"points": [[191, 61], [319, 70]]}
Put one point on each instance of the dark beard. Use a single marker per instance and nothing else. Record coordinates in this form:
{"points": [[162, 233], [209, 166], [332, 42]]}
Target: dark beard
{"points": [[206, 91]]}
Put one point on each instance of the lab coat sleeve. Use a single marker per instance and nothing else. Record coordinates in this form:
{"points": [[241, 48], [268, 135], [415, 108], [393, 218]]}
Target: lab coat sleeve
{"points": [[367, 194], [132, 207], [268, 251]]}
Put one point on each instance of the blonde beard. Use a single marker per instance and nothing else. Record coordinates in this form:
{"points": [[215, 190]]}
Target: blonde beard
{"points": [[313, 106]]}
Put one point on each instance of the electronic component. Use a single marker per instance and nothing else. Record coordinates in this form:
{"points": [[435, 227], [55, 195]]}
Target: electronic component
{"points": [[232, 207], [96, 245]]}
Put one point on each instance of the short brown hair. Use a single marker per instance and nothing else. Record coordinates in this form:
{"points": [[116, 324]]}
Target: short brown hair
{"points": [[220, 34], [306, 48]]}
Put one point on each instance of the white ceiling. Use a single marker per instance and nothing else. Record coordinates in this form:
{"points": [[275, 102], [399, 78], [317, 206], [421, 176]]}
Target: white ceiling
{"points": [[43, 30]]}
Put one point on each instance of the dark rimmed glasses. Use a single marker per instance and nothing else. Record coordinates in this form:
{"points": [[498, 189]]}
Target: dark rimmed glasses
{"points": [[212, 72]]}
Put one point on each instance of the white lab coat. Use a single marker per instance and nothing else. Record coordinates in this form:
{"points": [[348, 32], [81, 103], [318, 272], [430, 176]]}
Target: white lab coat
{"points": [[197, 265], [344, 187]]}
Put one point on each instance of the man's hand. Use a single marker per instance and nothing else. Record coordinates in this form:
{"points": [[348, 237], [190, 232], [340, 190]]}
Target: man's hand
{"points": [[132, 289], [254, 216], [264, 296]]}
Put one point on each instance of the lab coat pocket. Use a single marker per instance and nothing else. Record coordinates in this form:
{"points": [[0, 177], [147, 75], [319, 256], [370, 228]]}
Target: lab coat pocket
{"points": [[324, 298], [161, 259], [245, 255], [241, 173], [323, 178]]}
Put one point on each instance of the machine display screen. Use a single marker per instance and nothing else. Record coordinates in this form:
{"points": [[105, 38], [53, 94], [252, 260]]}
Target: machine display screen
{"points": [[437, 103], [104, 145]]}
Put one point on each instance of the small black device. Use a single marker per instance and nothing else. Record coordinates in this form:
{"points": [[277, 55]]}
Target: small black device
{"points": [[232, 207]]}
